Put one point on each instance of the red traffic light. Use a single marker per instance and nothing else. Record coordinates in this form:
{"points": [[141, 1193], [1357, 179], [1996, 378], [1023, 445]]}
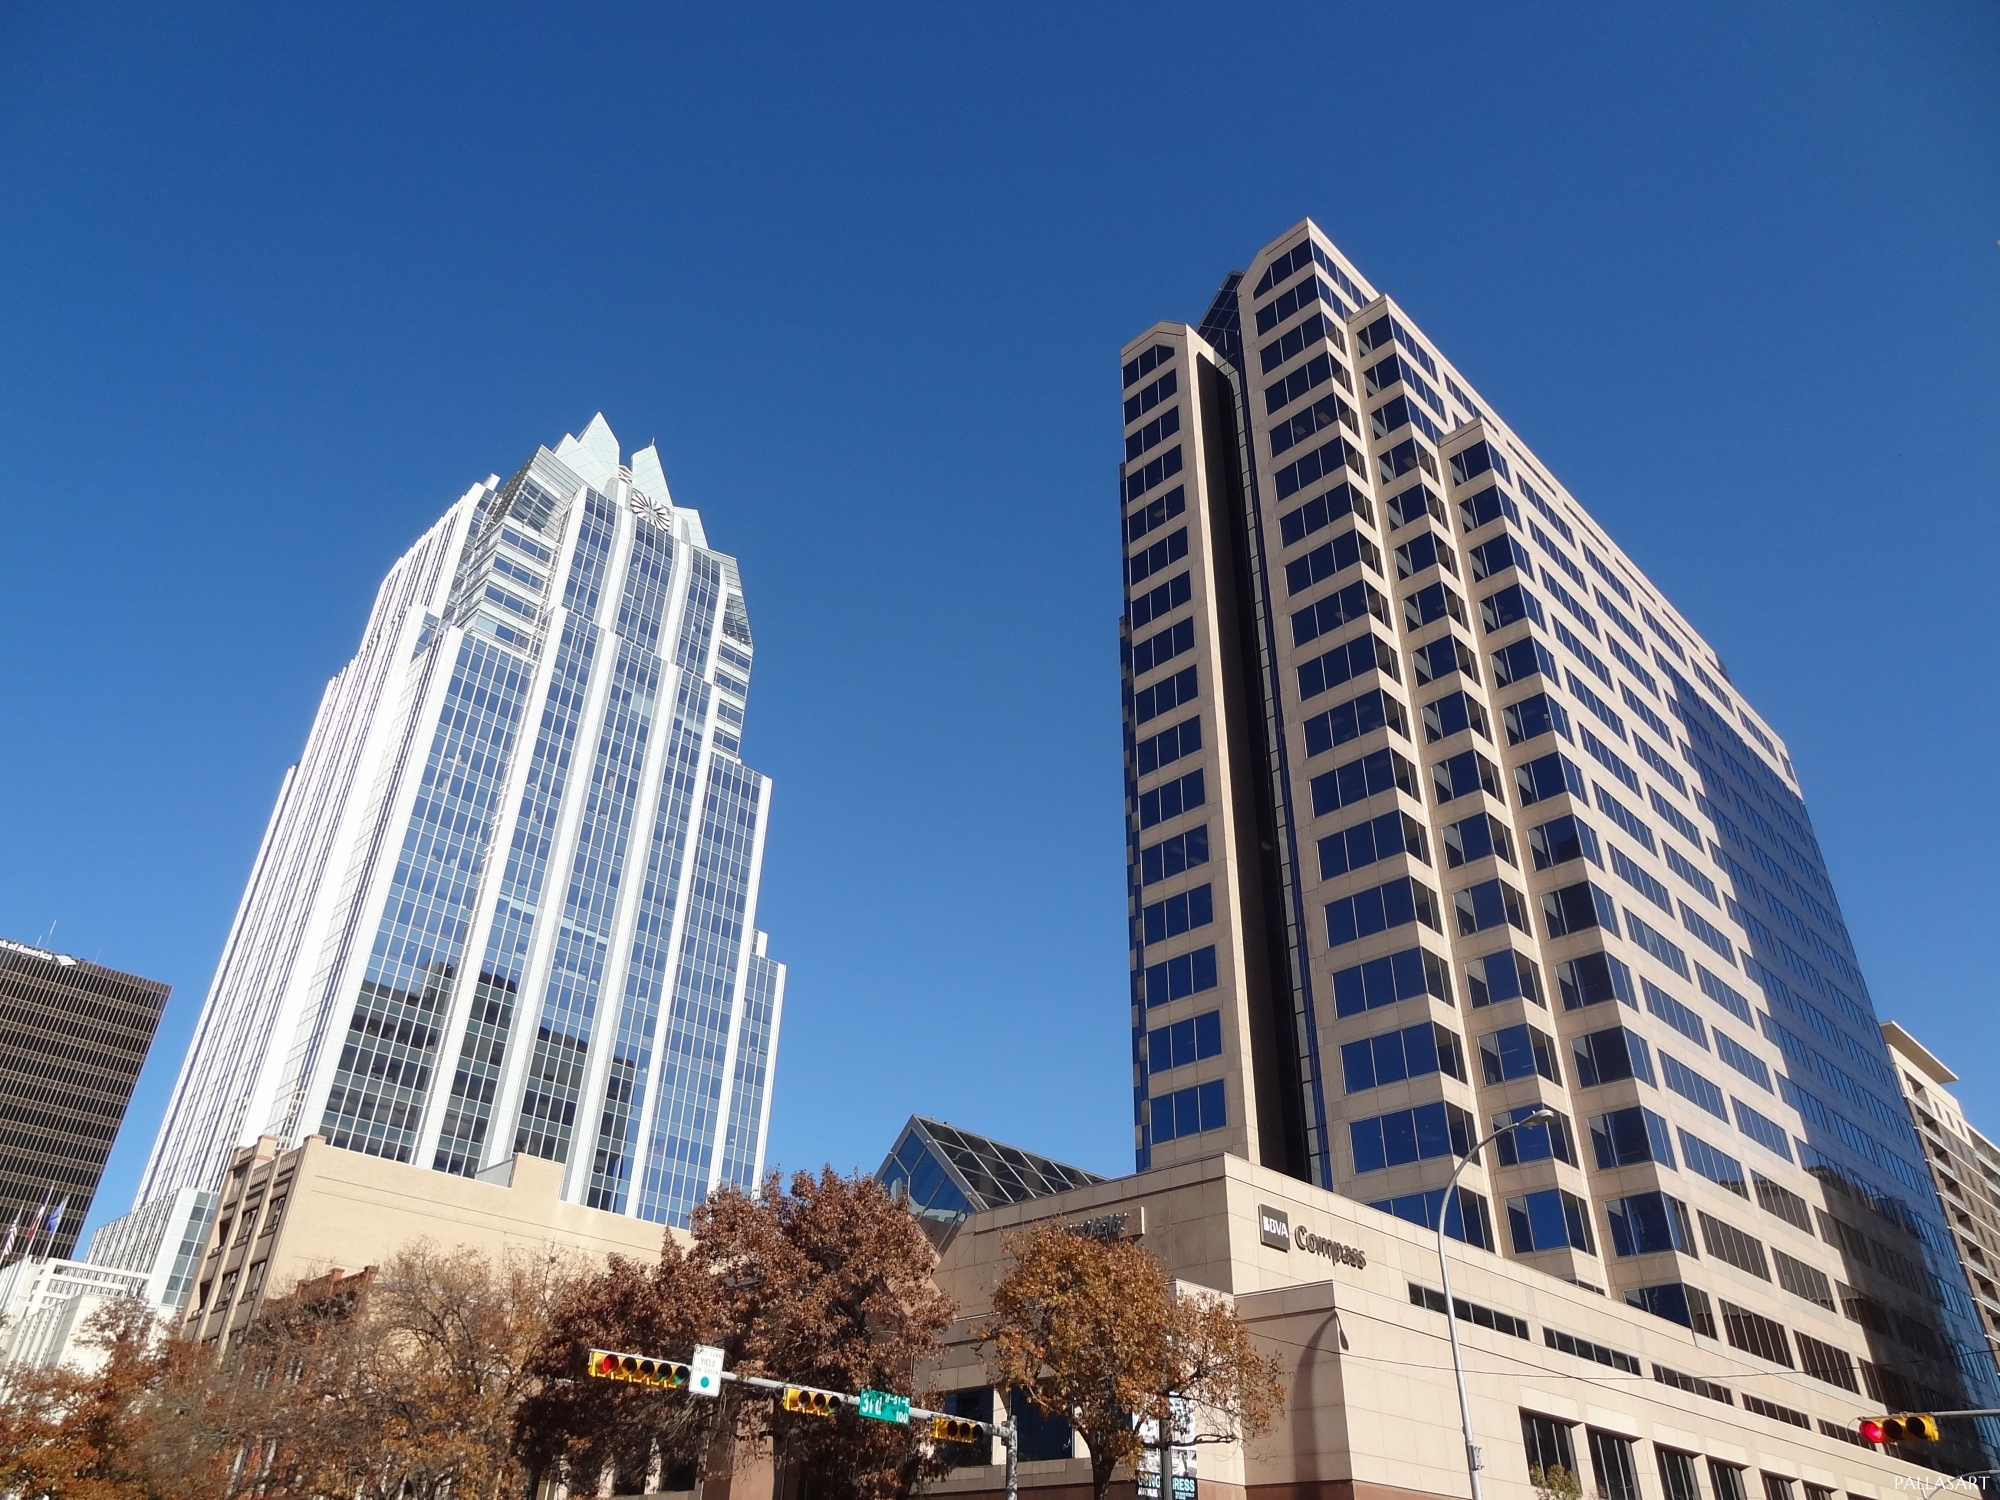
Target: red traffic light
{"points": [[1918, 1427]]}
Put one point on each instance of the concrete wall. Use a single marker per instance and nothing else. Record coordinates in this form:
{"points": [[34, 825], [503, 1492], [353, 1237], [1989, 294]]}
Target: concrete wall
{"points": [[291, 1216]]}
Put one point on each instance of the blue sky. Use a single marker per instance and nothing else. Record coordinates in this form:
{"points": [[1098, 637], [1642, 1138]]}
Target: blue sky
{"points": [[277, 283]]}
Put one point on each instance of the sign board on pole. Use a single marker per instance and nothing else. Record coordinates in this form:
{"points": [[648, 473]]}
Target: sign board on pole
{"points": [[884, 1406], [705, 1377]]}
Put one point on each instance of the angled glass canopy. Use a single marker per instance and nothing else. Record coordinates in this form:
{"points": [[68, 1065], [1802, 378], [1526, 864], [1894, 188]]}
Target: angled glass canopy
{"points": [[944, 1174]]}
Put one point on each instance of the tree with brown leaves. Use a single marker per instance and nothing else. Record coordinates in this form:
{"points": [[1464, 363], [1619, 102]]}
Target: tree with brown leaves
{"points": [[396, 1385], [825, 1282], [68, 1435], [1092, 1329]]}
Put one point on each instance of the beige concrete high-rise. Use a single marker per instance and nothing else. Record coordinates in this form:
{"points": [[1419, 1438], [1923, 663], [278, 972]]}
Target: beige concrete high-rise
{"points": [[1964, 1165], [1439, 811]]}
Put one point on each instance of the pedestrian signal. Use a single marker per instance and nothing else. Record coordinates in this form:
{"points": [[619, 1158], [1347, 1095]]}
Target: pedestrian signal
{"points": [[808, 1403], [1921, 1428], [955, 1430], [638, 1369]]}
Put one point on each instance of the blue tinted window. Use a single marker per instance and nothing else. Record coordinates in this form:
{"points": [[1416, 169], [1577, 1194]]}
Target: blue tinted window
{"points": [[1381, 909], [1649, 1222], [1607, 1056], [1395, 1055], [1365, 843], [1329, 558], [1177, 978], [1463, 774], [1549, 1220], [1489, 904], [1169, 745], [1371, 774], [1408, 1135], [1550, 776], [1522, 660], [1577, 908], [1171, 856], [1490, 504], [1156, 513], [1156, 603], [1412, 505], [1561, 840], [1505, 975], [1477, 837], [1626, 1136], [1384, 981], [1535, 716], [1447, 716], [1187, 1041], [1497, 555], [1593, 978], [1371, 710], [1171, 799], [1322, 511], [1692, 1087], [1177, 914], [1189, 1111], [1538, 1142], [1150, 560], [1163, 696], [1518, 1052], [1342, 607]]}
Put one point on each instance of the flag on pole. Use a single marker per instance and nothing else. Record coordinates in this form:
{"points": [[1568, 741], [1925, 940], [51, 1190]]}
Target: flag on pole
{"points": [[13, 1229], [35, 1224], [55, 1220]]}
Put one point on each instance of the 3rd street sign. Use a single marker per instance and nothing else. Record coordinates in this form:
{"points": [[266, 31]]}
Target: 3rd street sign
{"points": [[882, 1406]]}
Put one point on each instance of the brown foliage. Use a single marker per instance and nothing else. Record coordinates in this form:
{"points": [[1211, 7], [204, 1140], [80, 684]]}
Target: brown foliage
{"points": [[399, 1384], [1092, 1329], [71, 1436], [445, 1376], [826, 1283]]}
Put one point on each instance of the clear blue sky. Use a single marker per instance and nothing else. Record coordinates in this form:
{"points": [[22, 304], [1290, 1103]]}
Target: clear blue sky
{"points": [[278, 282]]}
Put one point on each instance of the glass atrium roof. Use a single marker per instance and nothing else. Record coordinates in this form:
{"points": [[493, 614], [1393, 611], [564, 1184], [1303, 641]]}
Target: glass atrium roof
{"points": [[944, 1174]]}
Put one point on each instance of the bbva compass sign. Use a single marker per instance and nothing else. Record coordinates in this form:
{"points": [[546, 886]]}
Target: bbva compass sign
{"points": [[1274, 1228]]}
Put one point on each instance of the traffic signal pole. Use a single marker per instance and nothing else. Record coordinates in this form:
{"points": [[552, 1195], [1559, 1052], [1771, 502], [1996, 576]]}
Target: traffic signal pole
{"points": [[672, 1375]]}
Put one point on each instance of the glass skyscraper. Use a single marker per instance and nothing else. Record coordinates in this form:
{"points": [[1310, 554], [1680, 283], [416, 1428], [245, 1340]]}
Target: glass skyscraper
{"points": [[506, 902], [1439, 811]]}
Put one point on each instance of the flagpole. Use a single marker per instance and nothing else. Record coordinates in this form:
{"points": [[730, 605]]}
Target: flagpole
{"points": [[35, 1224]]}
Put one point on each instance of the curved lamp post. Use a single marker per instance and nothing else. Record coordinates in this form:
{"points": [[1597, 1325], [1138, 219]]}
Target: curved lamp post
{"points": [[1536, 1116]]}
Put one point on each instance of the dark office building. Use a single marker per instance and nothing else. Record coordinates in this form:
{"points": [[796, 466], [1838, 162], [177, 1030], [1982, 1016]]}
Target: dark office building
{"points": [[73, 1037]]}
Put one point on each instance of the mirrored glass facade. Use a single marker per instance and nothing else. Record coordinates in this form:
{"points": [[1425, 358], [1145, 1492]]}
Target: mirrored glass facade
{"points": [[507, 900]]}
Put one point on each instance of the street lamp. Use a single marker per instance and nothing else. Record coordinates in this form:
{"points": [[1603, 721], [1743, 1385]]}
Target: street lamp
{"points": [[1535, 1116]]}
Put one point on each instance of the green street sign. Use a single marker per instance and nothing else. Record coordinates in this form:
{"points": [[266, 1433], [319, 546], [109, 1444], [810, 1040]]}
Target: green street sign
{"points": [[883, 1406]]}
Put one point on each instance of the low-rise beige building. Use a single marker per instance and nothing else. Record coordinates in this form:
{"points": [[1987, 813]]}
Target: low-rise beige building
{"points": [[290, 1216], [1348, 1299]]}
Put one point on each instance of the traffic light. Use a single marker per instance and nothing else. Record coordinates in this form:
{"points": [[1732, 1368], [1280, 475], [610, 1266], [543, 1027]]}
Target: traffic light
{"points": [[1920, 1428], [955, 1430], [639, 1369], [808, 1403]]}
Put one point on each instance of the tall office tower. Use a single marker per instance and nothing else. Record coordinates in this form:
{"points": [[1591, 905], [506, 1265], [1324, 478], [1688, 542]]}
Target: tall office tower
{"points": [[1440, 811], [506, 902], [1964, 1165], [73, 1037]]}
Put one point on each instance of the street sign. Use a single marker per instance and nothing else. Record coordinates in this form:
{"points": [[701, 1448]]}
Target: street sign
{"points": [[882, 1406], [706, 1368]]}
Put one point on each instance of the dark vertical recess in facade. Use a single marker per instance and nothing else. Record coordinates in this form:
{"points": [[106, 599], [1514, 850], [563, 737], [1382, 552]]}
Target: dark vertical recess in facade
{"points": [[1276, 1061]]}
